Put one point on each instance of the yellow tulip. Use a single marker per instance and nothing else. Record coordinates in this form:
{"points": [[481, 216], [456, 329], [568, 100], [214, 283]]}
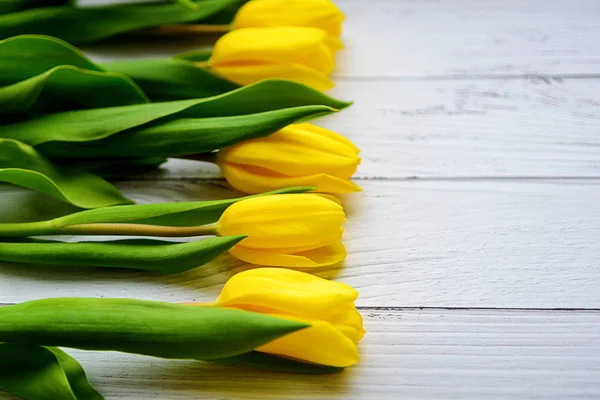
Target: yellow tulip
{"points": [[322, 14], [288, 230], [298, 155], [336, 326], [301, 54]]}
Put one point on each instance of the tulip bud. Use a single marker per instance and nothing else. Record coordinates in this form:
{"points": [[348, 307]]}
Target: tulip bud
{"points": [[328, 307], [295, 230], [300, 154], [322, 14], [301, 54]]}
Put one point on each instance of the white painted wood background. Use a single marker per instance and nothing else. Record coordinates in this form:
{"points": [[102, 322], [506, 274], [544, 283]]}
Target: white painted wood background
{"points": [[475, 244]]}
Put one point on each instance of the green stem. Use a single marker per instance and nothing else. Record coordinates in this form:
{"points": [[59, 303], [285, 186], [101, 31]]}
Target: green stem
{"points": [[27, 229], [49, 228], [137, 230]]}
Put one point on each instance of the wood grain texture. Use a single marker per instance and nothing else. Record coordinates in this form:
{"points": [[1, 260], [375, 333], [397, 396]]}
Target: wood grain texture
{"points": [[441, 38], [526, 243], [407, 354]]}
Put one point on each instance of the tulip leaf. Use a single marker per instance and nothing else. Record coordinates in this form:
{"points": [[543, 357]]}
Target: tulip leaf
{"points": [[192, 213], [43, 373], [96, 124], [195, 55], [143, 255], [92, 24], [185, 136], [22, 165], [150, 328], [26, 56], [172, 79], [256, 359], [9, 6], [66, 88]]}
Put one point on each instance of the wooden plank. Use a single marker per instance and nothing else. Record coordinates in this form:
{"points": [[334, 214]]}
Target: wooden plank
{"points": [[476, 128], [524, 243], [407, 353], [452, 38]]}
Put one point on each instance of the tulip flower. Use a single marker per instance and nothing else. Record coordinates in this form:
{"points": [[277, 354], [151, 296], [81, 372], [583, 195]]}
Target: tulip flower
{"points": [[328, 307], [302, 54], [300, 154], [322, 14], [295, 230]]}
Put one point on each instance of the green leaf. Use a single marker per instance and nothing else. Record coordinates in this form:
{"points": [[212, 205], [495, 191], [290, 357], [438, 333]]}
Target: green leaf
{"points": [[43, 373], [22, 165], [88, 125], [172, 78], [185, 136], [66, 88], [9, 6], [141, 327], [256, 359], [195, 55], [25, 56], [143, 255], [193, 213], [87, 25]]}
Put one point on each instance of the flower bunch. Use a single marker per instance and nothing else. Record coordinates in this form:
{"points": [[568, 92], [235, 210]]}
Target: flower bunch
{"points": [[67, 123]]}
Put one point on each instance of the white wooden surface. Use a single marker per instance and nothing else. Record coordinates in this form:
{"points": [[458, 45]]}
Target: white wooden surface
{"points": [[478, 279]]}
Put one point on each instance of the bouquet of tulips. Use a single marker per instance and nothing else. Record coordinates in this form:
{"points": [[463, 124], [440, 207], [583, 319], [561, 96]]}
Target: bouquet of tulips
{"points": [[68, 125]]}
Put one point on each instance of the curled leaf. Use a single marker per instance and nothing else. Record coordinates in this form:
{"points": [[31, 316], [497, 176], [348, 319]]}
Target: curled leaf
{"points": [[22, 165], [43, 373], [26, 56], [67, 88]]}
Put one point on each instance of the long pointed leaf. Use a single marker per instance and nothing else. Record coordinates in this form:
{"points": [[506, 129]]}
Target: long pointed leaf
{"points": [[43, 373], [22, 165], [168, 214], [87, 25], [141, 327], [185, 136], [87, 125], [143, 255]]}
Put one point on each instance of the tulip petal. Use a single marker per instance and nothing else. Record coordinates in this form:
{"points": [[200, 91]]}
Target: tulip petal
{"points": [[290, 292], [327, 133], [323, 256], [246, 181], [294, 151], [280, 44], [321, 343], [247, 74], [284, 221], [322, 14]]}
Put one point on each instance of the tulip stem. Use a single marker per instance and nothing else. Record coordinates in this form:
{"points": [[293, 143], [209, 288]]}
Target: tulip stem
{"points": [[186, 29], [137, 230], [48, 228]]}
